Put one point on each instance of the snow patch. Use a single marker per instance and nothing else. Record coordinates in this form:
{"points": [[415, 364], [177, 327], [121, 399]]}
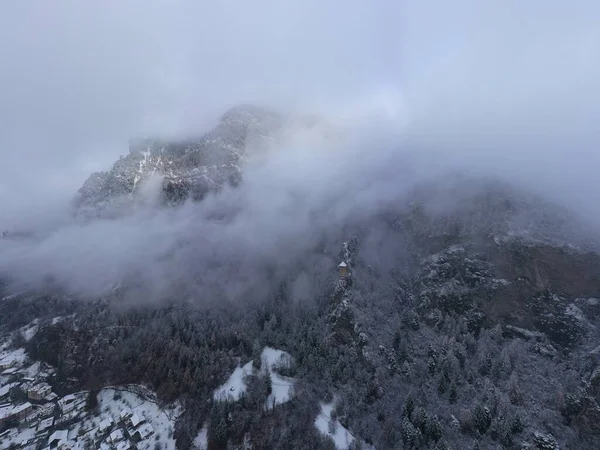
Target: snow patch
{"points": [[281, 387], [575, 312], [15, 357], [201, 440], [271, 360], [235, 386], [29, 331], [341, 437]]}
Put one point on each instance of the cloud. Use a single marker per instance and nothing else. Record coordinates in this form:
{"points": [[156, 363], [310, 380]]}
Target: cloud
{"points": [[413, 89]]}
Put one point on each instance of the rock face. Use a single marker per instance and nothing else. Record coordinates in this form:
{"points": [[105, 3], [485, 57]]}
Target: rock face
{"points": [[178, 170]]}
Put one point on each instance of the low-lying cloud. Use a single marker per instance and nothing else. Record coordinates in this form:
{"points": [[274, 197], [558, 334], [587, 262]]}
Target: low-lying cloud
{"points": [[412, 90]]}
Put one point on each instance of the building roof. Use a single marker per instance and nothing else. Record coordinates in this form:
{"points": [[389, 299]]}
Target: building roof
{"points": [[51, 396], [136, 420], [126, 413], [105, 423], [46, 423], [21, 408], [8, 360], [4, 390], [343, 264], [40, 388], [5, 411], [116, 435], [10, 371], [59, 435], [125, 445], [67, 398], [145, 430]]}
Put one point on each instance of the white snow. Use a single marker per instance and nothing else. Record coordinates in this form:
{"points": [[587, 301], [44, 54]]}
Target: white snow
{"points": [[105, 424], [282, 390], [271, 360], [116, 436], [341, 436], [275, 359], [29, 331], [145, 430], [17, 356], [161, 421], [142, 164], [4, 390], [235, 386], [33, 370], [136, 419], [282, 387], [575, 312], [201, 441]]}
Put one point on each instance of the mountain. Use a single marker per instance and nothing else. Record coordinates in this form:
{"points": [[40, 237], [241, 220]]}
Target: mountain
{"points": [[467, 315], [184, 169]]}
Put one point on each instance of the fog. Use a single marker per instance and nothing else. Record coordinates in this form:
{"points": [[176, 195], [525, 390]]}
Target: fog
{"points": [[413, 89]]}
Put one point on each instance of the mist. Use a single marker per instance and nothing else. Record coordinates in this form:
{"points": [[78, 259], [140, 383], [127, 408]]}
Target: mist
{"points": [[413, 91]]}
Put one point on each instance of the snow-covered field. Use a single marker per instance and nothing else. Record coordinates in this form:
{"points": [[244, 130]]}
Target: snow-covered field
{"points": [[271, 360], [334, 429]]}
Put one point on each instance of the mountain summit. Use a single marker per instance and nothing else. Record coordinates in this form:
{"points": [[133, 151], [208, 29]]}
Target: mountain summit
{"points": [[188, 168]]}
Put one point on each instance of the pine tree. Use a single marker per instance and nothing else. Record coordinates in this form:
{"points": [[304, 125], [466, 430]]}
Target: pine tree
{"points": [[409, 433], [442, 385], [409, 406], [482, 418], [420, 419], [517, 425], [431, 365], [453, 393], [434, 429]]}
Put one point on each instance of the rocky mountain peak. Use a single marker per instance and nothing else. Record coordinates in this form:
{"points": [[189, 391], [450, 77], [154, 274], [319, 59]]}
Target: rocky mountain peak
{"points": [[189, 168]]}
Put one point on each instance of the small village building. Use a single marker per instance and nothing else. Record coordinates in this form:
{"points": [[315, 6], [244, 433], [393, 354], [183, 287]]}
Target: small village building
{"points": [[105, 425], [124, 445], [57, 438], [5, 413], [67, 403], [125, 414], [136, 420], [116, 436], [51, 397], [7, 363], [5, 390], [39, 391], [343, 269], [21, 411], [47, 409], [45, 424], [144, 431]]}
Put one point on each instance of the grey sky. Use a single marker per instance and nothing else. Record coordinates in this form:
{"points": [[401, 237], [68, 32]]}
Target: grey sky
{"points": [[503, 87]]}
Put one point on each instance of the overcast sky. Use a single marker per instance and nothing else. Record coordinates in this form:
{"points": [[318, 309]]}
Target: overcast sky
{"points": [[502, 87], [79, 78]]}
